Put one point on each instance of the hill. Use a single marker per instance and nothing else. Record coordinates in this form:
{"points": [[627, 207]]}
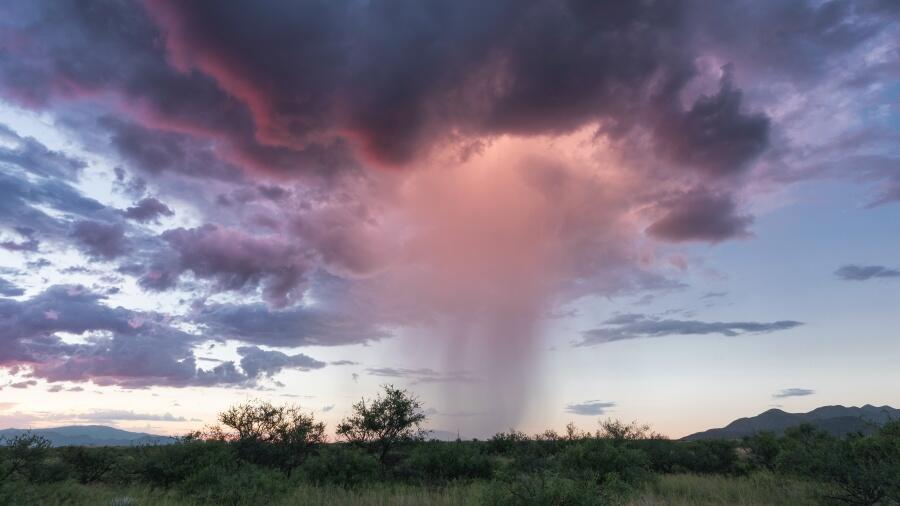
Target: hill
{"points": [[836, 420], [91, 435]]}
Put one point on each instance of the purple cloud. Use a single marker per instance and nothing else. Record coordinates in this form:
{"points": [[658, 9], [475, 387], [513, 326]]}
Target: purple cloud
{"points": [[121, 347], [148, 210], [235, 260], [100, 240], [701, 216]]}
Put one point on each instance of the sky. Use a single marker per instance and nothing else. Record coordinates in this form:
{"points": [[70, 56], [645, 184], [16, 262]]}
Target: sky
{"points": [[528, 213]]}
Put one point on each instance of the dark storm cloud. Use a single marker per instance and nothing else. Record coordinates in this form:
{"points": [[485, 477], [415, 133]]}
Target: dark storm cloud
{"points": [[294, 326], [232, 260], [257, 362], [154, 152], [634, 326], [792, 392], [148, 210], [701, 216], [60, 51], [852, 272], [349, 75], [589, 408], [197, 98], [100, 240], [506, 67], [714, 135]]}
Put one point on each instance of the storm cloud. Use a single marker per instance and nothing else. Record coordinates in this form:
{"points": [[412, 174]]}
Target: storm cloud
{"points": [[344, 172]]}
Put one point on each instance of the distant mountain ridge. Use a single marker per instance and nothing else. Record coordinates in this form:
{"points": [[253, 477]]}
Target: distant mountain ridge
{"points": [[836, 420], [91, 435]]}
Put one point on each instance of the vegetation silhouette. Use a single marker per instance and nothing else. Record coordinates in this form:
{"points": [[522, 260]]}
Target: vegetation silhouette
{"points": [[262, 453]]}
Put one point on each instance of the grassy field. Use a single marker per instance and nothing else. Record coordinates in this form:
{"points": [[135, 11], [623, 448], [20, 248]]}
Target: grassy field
{"points": [[760, 489]]}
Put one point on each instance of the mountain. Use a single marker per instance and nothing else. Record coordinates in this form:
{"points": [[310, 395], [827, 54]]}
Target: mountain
{"points": [[91, 435], [836, 420]]}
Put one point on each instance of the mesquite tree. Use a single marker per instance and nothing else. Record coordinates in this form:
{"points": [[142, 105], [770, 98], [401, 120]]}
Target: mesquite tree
{"points": [[379, 424]]}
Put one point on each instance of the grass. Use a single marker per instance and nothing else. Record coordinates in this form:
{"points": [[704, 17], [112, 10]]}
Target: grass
{"points": [[69, 493], [670, 490], [401, 495], [760, 489]]}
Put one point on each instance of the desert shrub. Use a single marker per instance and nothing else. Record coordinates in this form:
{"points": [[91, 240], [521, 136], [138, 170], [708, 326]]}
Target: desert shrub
{"points": [[617, 430], [165, 466], [763, 448], [395, 416], [806, 451], [861, 469], [552, 488], [229, 483], [340, 465], [51, 469], [602, 460], [868, 471], [715, 456], [86, 464], [437, 461], [665, 456], [700, 457], [23, 456], [265, 434], [505, 442]]}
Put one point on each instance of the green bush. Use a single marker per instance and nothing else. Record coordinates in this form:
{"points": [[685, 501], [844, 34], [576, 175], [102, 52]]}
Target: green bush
{"points": [[392, 418], [165, 466], [764, 448], [505, 442], [239, 484], [552, 488], [269, 435], [715, 456], [23, 456], [438, 462], [86, 464], [343, 465], [862, 469], [602, 459]]}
